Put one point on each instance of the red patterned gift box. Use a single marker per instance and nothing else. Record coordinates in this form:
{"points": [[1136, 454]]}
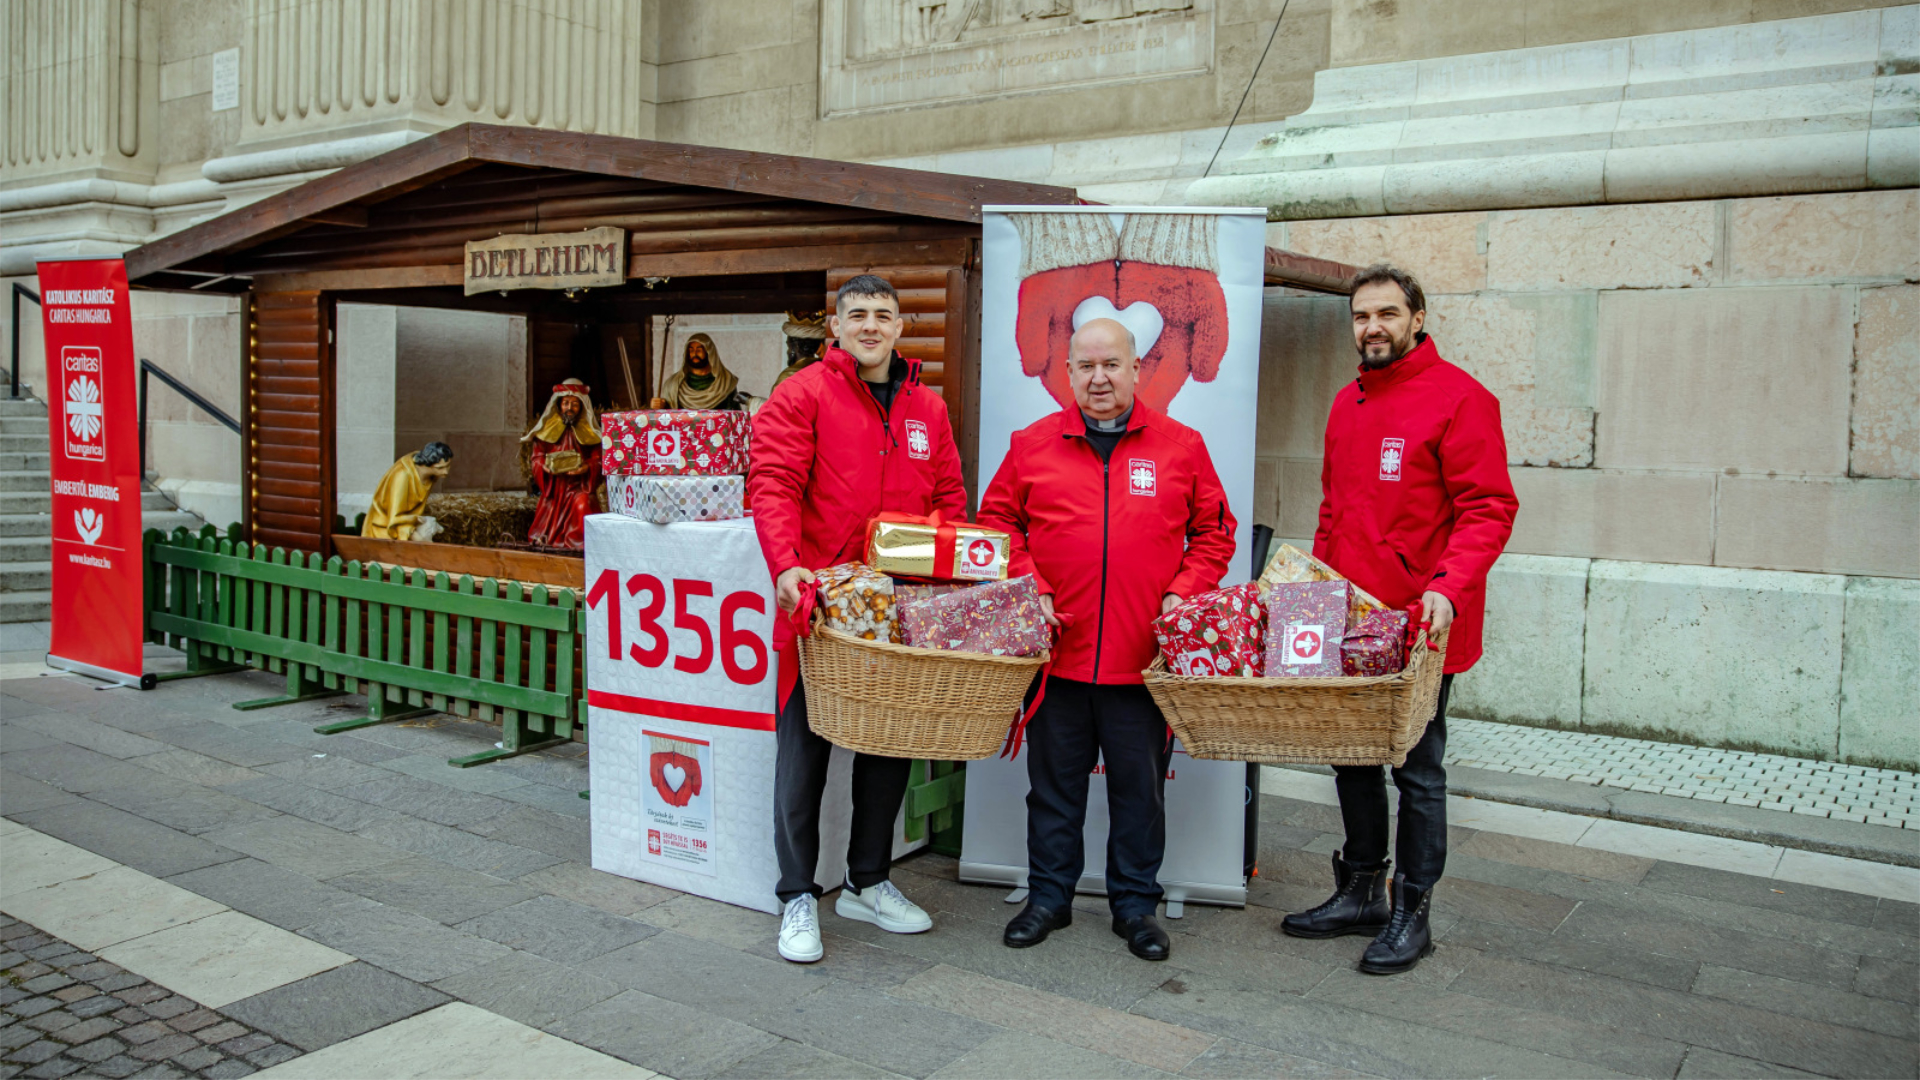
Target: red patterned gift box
{"points": [[1375, 645], [675, 442], [999, 618], [1306, 623], [1216, 633]]}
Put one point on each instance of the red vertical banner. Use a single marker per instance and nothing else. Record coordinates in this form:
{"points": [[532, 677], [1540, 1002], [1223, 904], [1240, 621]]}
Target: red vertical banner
{"points": [[93, 441]]}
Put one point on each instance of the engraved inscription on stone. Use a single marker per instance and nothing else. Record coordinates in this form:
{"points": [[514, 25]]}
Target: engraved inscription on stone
{"points": [[890, 54]]}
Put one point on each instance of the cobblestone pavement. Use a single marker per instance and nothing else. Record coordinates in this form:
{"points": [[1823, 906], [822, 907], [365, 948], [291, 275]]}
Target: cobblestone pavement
{"points": [[1817, 788], [433, 890], [64, 1011]]}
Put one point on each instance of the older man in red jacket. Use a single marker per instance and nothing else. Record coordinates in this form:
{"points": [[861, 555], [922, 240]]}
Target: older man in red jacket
{"points": [[1415, 505], [839, 442], [1117, 513]]}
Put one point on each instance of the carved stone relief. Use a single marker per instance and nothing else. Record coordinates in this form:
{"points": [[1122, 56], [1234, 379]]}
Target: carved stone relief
{"points": [[890, 54]]}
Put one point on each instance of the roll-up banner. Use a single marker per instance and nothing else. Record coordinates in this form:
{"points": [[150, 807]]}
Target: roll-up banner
{"points": [[1187, 282], [93, 442]]}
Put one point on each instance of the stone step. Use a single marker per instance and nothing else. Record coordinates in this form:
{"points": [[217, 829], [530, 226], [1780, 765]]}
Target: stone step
{"points": [[30, 460], [23, 444], [31, 525], [26, 607], [26, 577], [23, 425], [168, 520], [25, 480], [26, 502], [22, 407], [155, 500], [25, 549]]}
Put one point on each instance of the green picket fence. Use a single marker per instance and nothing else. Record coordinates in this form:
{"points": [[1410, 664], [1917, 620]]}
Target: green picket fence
{"points": [[413, 642]]}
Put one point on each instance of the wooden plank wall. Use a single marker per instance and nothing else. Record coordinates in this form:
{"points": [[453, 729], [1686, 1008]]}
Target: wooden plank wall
{"points": [[289, 420]]}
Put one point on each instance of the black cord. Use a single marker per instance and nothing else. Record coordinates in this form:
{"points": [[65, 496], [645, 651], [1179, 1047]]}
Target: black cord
{"points": [[1248, 91]]}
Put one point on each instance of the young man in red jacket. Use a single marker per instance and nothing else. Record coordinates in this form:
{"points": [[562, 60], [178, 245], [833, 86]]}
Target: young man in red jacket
{"points": [[1117, 513], [841, 441], [1415, 504]]}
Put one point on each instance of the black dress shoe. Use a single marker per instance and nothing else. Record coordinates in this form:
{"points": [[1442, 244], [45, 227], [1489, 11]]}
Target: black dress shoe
{"points": [[1358, 905], [1406, 938], [1033, 924], [1145, 938]]}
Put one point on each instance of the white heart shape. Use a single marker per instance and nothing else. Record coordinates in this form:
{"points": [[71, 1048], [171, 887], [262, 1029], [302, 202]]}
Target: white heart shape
{"points": [[1140, 317], [675, 776]]}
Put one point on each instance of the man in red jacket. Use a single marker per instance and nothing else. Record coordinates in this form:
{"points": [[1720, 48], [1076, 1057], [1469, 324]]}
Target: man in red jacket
{"points": [[1415, 504], [841, 441], [1117, 513]]}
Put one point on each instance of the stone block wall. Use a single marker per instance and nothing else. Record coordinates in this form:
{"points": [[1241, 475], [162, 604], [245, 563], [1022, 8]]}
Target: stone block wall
{"points": [[1711, 423]]}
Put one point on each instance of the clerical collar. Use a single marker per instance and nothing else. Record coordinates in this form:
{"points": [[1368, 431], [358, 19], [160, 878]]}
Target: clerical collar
{"points": [[1108, 427]]}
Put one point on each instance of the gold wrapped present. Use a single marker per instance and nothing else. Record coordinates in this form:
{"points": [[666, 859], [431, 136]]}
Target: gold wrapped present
{"points": [[928, 547], [1291, 566]]}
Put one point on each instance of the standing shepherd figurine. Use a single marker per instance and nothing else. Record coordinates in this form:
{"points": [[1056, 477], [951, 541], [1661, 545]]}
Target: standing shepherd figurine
{"points": [[565, 459]]}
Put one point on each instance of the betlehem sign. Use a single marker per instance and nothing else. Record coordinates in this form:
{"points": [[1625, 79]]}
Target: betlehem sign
{"points": [[582, 260]]}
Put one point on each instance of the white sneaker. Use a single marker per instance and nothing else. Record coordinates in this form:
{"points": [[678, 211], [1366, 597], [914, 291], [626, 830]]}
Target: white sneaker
{"points": [[800, 930], [883, 906]]}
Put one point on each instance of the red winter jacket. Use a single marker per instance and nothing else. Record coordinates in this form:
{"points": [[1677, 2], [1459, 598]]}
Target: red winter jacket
{"points": [[1414, 492], [824, 460], [1108, 539]]}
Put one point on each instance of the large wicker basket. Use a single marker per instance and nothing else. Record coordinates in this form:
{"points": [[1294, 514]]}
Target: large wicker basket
{"points": [[1323, 721], [899, 701]]}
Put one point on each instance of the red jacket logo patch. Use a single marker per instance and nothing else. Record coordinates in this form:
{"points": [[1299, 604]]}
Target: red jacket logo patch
{"points": [[918, 442], [1141, 477], [1391, 453]]}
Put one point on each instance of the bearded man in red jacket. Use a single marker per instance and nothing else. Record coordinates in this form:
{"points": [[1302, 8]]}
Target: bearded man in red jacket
{"points": [[1415, 504], [839, 442], [1118, 514]]}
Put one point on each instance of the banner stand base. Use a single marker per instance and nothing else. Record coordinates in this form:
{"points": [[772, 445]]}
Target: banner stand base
{"points": [[117, 678]]}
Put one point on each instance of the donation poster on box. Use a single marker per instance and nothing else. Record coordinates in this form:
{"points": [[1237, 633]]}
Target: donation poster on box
{"points": [[1188, 283], [677, 803]]}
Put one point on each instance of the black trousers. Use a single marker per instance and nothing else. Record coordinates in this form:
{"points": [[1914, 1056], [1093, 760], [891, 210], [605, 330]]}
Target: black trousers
{"points": [[799, 780], [1421, 846], [1077, 726]]}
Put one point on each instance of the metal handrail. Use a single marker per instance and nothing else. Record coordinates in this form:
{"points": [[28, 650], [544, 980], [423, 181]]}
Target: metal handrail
{"points": [[148, 367], [19, 290]]}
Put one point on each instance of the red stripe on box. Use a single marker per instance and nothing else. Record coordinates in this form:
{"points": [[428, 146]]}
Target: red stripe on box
{"points": [[673, 710]]}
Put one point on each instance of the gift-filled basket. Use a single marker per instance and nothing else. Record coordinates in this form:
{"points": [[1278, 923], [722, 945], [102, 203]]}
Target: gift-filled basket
{"points": [[1301, 667], [935, 666]]}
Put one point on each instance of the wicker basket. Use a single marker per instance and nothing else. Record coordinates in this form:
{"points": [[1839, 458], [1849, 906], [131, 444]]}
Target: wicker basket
{"points": [[899, 701], [1323, 721]]}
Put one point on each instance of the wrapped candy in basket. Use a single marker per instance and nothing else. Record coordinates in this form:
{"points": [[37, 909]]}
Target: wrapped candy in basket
{"points": [[675, 442], [856, 599], [935, 549], [1376, 644], [1216, 633], [1000, 618]]}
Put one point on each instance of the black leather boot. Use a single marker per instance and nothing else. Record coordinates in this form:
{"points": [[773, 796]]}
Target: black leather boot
{"points": [[1407, 937], [1358, 905], [1033, 924], [1145, 937]]}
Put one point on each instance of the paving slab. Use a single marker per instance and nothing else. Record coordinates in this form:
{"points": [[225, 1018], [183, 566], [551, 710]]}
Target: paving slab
{"points": [[1610, 957], [404, 943], [288, 900], [128, 838], [35, 860], [321, 807], [1711, 944], [1889, 979], [1017, 1053], [328, 772], [223, 958], [1704, 1064], [102, 738], [197, 768], [334, 1005], [1231, 1059], [557, 835], [789, 1060], [529, 988], [559, 930], [445, 894], [22, 795], [665, 1036], [1770, 894], [434, 769], [1795, 998], [114, 905], [1818, 868], [423, 799], [456, 1040], [74, 769], [457, 848], [609, 892], [304, 847]]}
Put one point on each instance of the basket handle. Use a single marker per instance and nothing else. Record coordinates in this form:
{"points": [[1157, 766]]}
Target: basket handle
{"points": [[1017, 734]]}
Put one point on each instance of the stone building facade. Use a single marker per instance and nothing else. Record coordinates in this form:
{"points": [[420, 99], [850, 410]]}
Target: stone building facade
{"points": [[1680, 241]]}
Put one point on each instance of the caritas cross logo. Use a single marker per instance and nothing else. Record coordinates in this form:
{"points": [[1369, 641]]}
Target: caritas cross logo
{"points": [[663, 448], [918, 441], [84, 427], [1305, 643], [978, 559], [1391, 453], [1140, 477]]}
